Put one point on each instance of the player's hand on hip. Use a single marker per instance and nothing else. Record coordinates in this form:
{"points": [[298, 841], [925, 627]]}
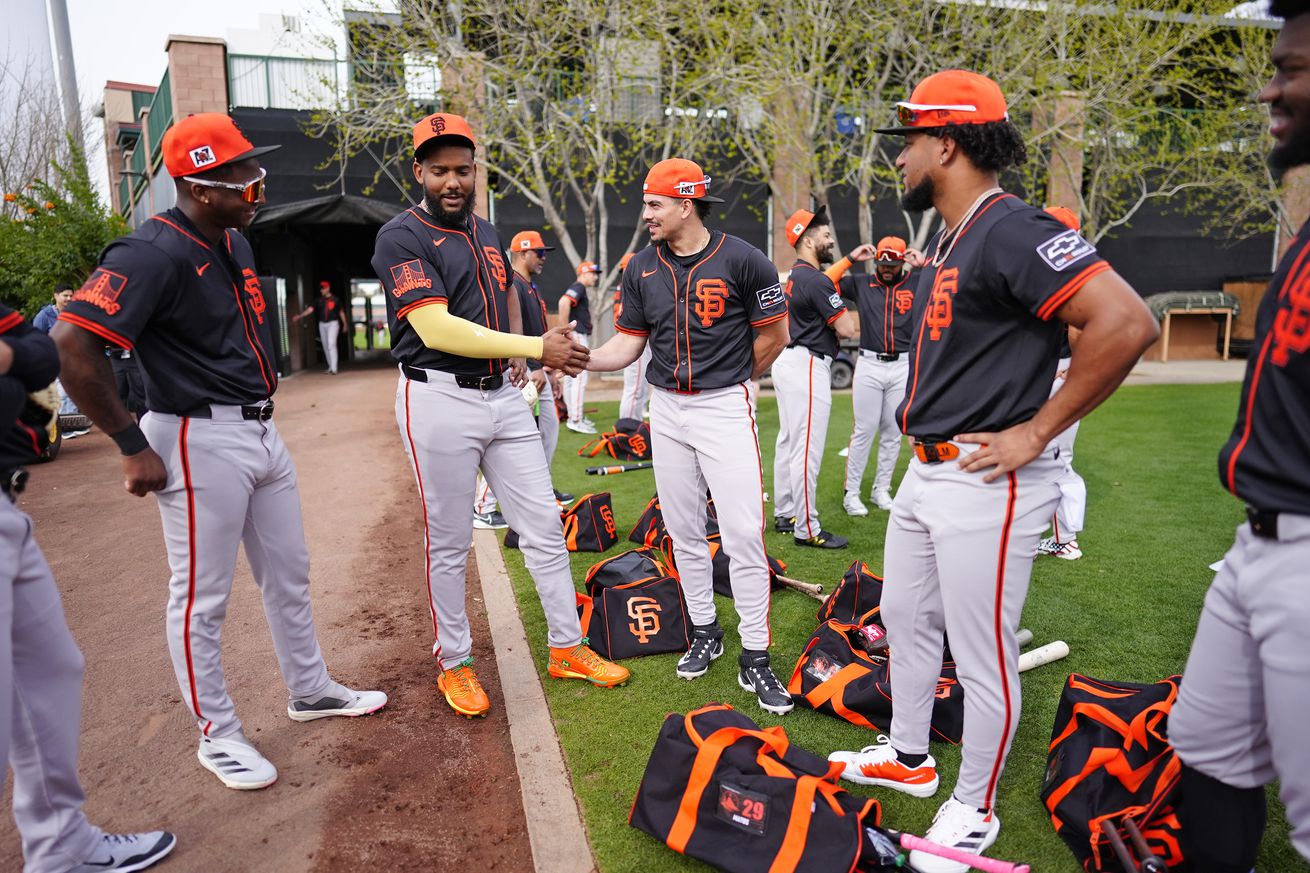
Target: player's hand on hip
{"points": [[560, 351], [144, 472], [518, 372], [1003, 452], [862, 253]]}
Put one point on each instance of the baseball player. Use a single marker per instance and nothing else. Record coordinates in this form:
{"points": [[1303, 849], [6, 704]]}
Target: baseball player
{"points": [[802, 380], [1071, 511], [634, 402], [575, 306], [714, 315], [454, 323], [966, 520], [331, 317], [40, 665], [886, 303], [527, 257], [1240, 717], [183, 294]]}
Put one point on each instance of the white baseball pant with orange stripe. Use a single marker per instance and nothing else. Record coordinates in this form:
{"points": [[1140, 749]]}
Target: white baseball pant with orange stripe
{"points": [[708, 440], [878, 389], [958, 560], [803, 384], [636, 389], [231, 483], [548, 426], [40, 705], [1071, 511], [575, 387], [449, 432]]}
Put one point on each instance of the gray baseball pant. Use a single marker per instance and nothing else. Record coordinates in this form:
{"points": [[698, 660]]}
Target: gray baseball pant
{"points": [[231, 483], [40, 704], [959, 557], [449, 432], [879, 388], [803, 385], [548, 427], [1245, 696]]}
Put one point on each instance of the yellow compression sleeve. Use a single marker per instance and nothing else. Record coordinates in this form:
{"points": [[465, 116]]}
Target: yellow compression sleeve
{"points": [[449, 333], [837, 270]]}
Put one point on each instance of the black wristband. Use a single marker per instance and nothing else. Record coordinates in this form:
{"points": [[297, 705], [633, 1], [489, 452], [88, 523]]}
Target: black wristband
{"points": [[130, 440]]}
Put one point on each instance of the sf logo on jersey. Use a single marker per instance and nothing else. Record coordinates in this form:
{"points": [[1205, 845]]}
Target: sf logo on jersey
{"points": [[904, 299], [941, 311], [255, 293], [1292, 323], [497, 264], [711, 300], [645, 615]]}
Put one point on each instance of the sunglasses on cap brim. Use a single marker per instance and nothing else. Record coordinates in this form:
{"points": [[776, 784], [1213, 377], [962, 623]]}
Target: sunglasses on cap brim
{"points": [[910, 115], [251, 191]]}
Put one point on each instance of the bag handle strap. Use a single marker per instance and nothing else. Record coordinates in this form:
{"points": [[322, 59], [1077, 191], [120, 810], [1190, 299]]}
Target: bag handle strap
{"points": [[588, 606], [798, 826], [702, 771]]}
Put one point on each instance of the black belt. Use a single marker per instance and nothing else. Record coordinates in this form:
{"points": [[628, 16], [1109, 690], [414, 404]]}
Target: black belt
{"points": [[481, 383], [812, 352], [883, 356], [263, 412], [12, 482], [1263, 524]]}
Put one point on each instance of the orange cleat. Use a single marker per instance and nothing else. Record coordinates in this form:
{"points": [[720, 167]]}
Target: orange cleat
{"points": [[463, 691], [580, 662]]}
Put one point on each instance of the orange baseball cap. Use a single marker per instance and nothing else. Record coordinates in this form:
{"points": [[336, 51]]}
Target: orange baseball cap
{"points": [[202, 142], [623, 261], [1065, 216], [440, 125], [800, 221], [528, 241], [890, 249], [680, 178], [950, 97], [587, 267]]}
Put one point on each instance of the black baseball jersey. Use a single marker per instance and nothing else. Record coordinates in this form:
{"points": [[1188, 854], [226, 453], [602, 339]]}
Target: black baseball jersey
{"points": [[813, 304], [698, 311], [327, 308], [192, 312], [886, 310], [984, 348], [533, 309], [36, 364], [421, 261], [581, 311], [1266, 461]]}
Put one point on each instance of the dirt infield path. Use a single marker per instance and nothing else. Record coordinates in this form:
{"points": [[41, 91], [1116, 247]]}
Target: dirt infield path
{"points": [[411, 788]]}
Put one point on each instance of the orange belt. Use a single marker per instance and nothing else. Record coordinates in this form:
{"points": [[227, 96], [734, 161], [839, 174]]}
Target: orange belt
{"points": [[935, 453]]}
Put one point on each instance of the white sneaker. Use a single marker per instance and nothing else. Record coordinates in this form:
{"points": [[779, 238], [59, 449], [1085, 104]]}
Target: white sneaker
{"points": [[878, 765], [336, 699], [1069, 551], [580, 427], [957, 826], [236, 763], [882, 498], [853, 506], [123, 853]]}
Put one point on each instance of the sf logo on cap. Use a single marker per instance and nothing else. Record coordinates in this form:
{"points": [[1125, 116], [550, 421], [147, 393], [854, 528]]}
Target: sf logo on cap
{"points": [[202, 156], [438, 125]]}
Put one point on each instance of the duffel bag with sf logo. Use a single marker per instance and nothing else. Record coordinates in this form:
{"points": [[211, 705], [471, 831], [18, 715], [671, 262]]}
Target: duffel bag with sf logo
{"points": [[645, 617]]}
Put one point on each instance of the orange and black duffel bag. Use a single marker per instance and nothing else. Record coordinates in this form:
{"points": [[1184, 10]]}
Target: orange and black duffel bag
{"points": [[858, 593], [588, 525], [631, 445], [745, 800], [649, 529], [837, 678], [721, 565], [629, 566], [642, 617], [1110, 759]]}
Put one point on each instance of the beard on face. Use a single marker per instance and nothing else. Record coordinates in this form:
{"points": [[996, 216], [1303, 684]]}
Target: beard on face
{"points": [[889, 274], [446, 216], [920, 197], [824, 255], [1294, 153]]}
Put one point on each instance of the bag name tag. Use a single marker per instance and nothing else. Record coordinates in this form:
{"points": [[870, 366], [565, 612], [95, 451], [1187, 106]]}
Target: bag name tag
{"points": [[747, 810]]}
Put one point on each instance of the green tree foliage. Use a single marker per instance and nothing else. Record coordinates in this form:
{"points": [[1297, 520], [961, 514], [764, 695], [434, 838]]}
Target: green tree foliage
{"points": [[52, 233]]}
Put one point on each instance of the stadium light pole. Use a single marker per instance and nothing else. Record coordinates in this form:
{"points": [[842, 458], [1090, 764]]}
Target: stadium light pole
{"points": [[64, 67]]}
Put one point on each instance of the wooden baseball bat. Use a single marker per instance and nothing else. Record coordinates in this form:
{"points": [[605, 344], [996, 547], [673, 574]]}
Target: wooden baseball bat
{"points": [[1150, 862], [1117, 844], [1043, 655], [1023, 637], [618, 468], [812, 589]]}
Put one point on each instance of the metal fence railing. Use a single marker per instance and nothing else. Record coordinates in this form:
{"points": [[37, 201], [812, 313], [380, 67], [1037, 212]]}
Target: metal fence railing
{"points": [[271, 82]]}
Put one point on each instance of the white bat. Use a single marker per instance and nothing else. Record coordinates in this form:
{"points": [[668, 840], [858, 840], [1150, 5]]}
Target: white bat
{"points": [[1043, 655]]}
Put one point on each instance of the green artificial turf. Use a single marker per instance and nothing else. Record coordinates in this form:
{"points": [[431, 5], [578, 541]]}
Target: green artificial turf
{"points": [[1156, 519]]}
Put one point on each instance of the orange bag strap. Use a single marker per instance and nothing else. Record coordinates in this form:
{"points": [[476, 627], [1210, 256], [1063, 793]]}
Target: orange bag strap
{"points": [[702, 771], [571, 532], [832, 691], [587, 607], [798, 826]]}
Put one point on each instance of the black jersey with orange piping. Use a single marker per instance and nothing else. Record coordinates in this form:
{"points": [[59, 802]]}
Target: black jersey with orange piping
{"points": [[886, 310], [421, 261], [1266, 461], [191, 311], [327, 308], [985, 345], [35, 364], [698, 311], [813, 304], [581, 311], [533, 309]]}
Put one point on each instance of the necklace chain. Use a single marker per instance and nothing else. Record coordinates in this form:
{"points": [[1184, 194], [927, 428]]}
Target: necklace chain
{"points": [[938, 256]]}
